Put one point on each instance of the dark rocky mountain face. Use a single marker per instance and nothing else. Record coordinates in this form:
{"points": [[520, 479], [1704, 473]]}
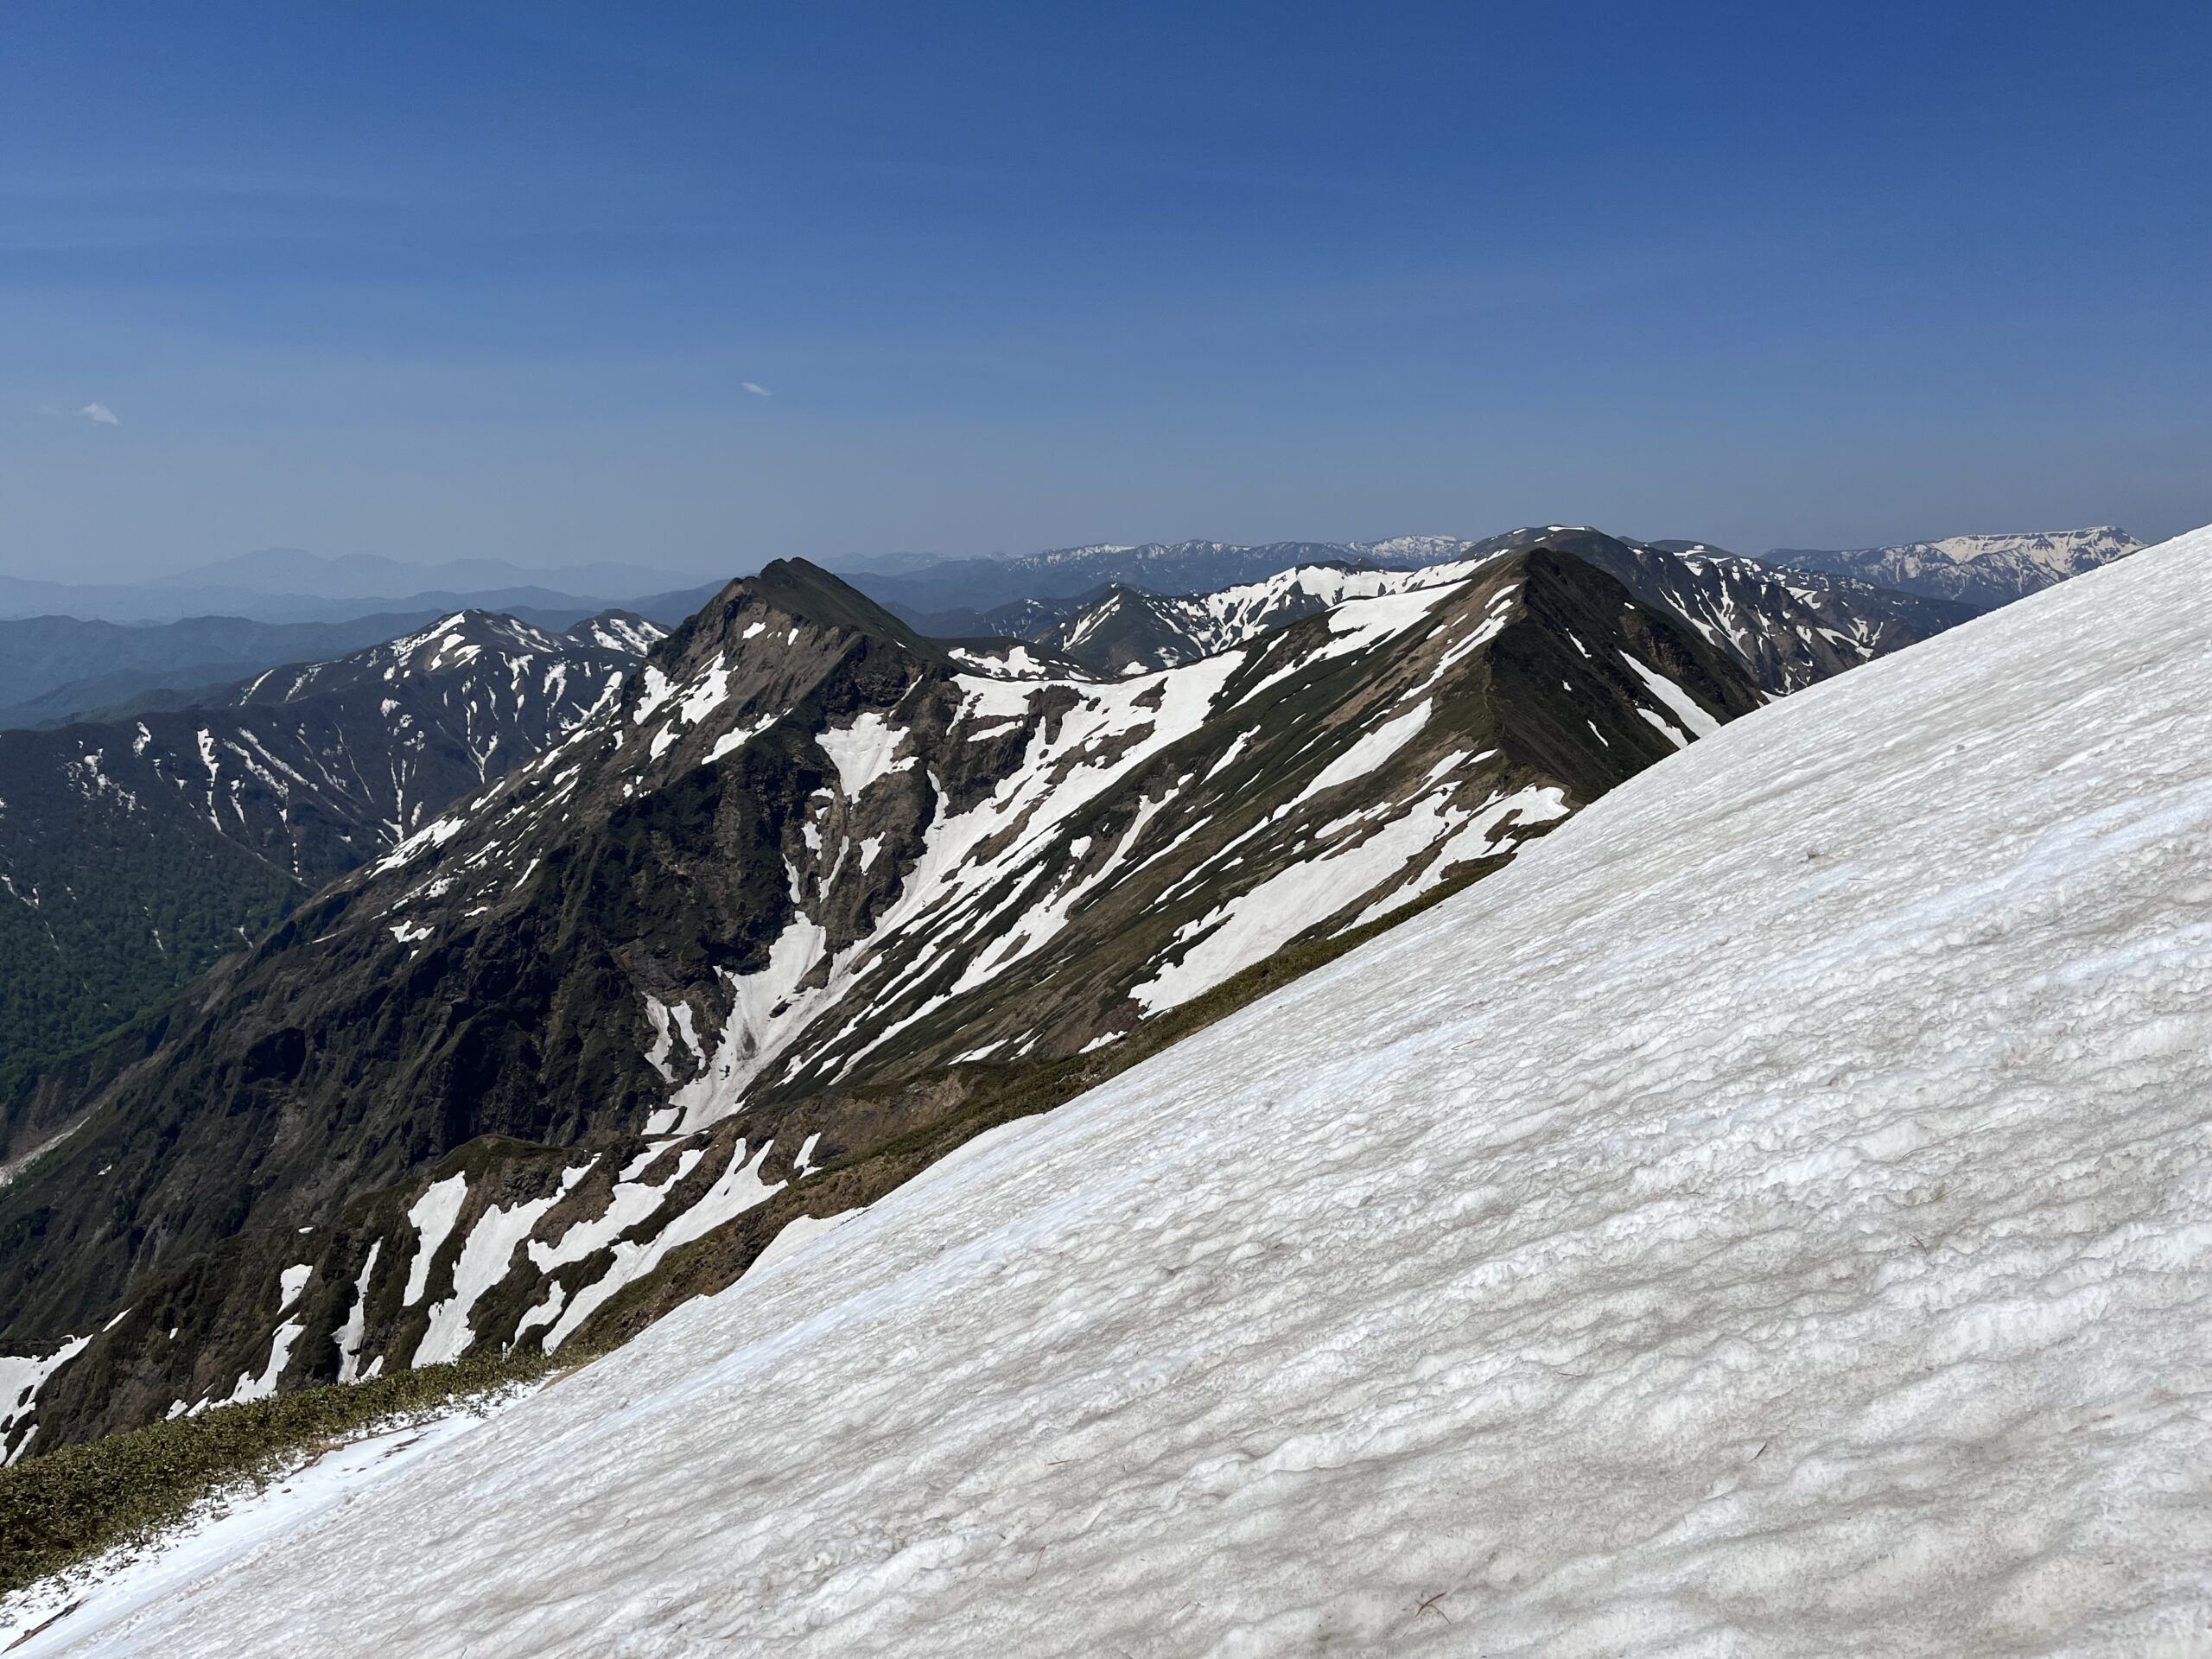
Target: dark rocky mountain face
{"points": [[134, 852], [761, 938], [1789, 628]]}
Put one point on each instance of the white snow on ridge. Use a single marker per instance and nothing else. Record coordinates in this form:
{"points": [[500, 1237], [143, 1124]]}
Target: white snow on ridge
{"points": [[768, 1011], [485, 1258], [740, 1188], [2058, 553], [1370, 750], [1773, 1216]]}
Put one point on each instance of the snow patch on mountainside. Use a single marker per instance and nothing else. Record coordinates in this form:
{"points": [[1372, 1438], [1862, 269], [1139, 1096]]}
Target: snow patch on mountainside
{"points": [[21, 1378]]}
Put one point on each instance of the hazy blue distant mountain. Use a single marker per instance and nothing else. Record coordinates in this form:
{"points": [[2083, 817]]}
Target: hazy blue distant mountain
{"points": [[892, 564], [671, 609], [54, 667], [288, 571], [284, 585]]}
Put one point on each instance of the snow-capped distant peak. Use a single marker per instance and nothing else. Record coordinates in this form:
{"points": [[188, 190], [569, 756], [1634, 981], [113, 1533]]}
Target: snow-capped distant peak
{"points": [[1412, 550], [2061, 551], [1982, 571]]}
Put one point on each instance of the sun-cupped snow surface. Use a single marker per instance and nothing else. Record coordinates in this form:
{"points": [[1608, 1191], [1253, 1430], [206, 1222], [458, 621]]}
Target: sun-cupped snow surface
{"points": [[1773, 1216]]}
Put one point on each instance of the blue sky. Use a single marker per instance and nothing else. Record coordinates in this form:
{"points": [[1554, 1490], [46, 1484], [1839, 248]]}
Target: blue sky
{"points": [[511, 280]]}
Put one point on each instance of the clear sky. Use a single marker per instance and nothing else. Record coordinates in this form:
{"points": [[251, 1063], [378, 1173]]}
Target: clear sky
{"points": [[699, 286]]}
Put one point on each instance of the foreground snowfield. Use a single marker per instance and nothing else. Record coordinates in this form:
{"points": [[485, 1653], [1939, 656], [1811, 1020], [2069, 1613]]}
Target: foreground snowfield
{"points": [[51, 1616], [1774, 1216]]}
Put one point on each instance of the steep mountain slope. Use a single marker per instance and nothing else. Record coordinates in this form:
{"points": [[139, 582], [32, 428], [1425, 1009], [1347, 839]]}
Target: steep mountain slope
{"points": [[134, 852], [1788, 629], [809, 893], [1981, 572], [1769, 1217]]}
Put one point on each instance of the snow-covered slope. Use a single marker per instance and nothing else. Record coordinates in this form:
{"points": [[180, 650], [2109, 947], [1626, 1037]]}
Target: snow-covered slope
{"points": [[1789, 1234]]}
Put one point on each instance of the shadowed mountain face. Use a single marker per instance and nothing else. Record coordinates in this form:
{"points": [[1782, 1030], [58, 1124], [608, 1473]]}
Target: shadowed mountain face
{"points": [[134, 852], [759, 935]]}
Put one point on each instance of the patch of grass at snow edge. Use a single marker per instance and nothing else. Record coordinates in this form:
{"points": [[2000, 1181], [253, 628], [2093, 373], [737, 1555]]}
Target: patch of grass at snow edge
{"points": [[79, 1502]]}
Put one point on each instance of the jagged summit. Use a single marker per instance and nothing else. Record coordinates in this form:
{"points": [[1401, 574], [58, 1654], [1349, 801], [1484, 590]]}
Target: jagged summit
{"points": [[803, 592]]}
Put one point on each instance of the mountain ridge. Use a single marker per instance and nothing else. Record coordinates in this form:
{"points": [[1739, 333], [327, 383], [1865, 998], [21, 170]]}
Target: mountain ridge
{"points": [[780, 909], [1788, 629], [1767, 1217]]}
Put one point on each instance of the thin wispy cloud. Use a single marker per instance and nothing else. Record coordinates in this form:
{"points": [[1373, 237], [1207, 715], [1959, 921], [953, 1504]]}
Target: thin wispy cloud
{"points": [[758, 389], [99, 415]]}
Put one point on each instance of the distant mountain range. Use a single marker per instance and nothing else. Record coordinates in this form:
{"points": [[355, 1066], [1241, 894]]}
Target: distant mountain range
{"points": [[1981, 572], [286, 585], [956, 597], [368, 575], [56, 669], [978, 585], [1786, 628]]}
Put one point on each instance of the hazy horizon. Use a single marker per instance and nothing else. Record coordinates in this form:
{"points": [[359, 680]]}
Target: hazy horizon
{"points": [[691, 289], [214, 573]]}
